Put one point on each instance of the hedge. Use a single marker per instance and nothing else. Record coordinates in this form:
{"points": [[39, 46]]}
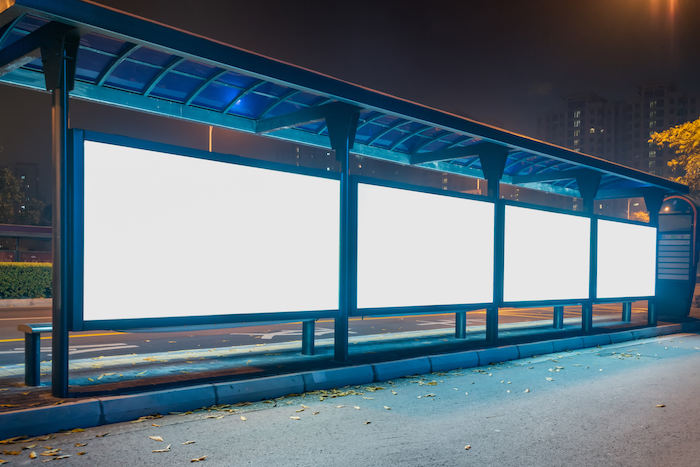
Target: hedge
{"points": [[25, 280]]}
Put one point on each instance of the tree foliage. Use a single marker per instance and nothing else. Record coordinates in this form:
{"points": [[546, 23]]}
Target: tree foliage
{"points": [[15, 208], [684, 139]]}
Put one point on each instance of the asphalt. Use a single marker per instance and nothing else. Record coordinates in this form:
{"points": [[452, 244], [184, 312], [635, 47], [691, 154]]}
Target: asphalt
{"points": [[121, 388]]}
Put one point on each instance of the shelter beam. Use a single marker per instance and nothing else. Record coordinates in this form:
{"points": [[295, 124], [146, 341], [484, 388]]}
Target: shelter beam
{"points": [[301, 117], [548, 176], [447, 154], [29, 48]]}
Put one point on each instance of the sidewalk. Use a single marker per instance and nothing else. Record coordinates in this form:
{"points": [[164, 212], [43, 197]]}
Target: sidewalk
{"points": [[186, 380]]}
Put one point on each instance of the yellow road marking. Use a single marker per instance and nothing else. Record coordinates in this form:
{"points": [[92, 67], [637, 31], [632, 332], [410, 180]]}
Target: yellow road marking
{"points": [[77, 335]]}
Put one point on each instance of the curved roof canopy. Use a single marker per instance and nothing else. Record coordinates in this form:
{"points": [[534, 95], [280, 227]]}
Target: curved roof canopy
{"points": [[131, 62]]}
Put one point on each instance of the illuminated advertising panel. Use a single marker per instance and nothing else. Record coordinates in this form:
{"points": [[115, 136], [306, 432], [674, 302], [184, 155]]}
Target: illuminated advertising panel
{"points": [[175, 236], [626, 260], [421, 249], [547, 255]]}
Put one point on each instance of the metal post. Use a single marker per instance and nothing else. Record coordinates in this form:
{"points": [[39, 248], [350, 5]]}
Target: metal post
{"points": [[308, 332], [32, 359], [651, 313], [588, 183], [627, 312], [342, 124], [558, 317], [653, 200], [493, 161], [461, 325], [59, 57]]}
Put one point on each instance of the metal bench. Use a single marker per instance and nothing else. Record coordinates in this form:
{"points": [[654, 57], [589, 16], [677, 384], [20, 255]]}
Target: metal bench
{"points": [[32, 351], [32, 347]]}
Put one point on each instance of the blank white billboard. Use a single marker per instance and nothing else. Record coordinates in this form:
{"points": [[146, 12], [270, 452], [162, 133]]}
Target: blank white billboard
{"points": [[176, 236], [547, 255], [626, 260], [418, 249]]}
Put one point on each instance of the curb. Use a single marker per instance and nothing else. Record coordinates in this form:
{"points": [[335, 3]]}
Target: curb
{"points": [[105, 410]]}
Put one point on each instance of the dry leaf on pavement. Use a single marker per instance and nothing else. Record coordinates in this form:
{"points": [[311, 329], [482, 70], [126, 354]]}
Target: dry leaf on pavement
{"points": [[388, 408], [295, 418], [367, 422], [167, 449], [467, 447], [188, 442], [243, 418], [156, 438], [80, 445], [198, 459], [661, 405], [32, 455]]}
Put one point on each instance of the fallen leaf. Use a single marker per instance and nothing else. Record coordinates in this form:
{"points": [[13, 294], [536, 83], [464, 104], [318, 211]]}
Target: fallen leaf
{"points": [[339, 406], [304, 407], [367, 422], [65, 456], [243, 418], [467, 447], [155, 424], [9, 405], [393, 392], [295, 418], [301, 410], [198, 459], [388, 408], [32, 455], [81, 453], [156, 438], [51, 452], [171, 342], [167, 449], [550, 379], [13, 440], [368, 398], [28, 447], [356, 407], [80, 445], [527, 390], [142, 373], [661, 405], [188, 442], [315, 413], [11, 453]]}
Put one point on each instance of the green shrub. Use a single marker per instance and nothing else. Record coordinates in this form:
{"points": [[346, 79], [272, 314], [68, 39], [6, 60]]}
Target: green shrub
{"points": [[25, 280]]}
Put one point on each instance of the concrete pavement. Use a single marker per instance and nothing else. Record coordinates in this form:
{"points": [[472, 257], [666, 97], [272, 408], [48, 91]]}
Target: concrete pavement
{"points": [[627, 404]]}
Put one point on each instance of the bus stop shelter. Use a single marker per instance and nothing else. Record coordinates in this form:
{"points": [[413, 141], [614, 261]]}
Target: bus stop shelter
{"points": [[85, 51]]}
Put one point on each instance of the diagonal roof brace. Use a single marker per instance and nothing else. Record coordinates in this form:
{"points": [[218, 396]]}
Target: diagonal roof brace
{"points": [[448, 154], [552, 176], [299, 118], [28, 48]]}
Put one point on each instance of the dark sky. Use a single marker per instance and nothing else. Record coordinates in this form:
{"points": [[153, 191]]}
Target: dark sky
{"points": [[499, 61]]}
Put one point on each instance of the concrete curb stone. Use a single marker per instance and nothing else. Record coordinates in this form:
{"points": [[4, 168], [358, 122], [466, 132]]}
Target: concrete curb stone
{"points": [[258, 389], [41, 420], [535, 348], [396, 369], [122, 408], [497, 354], [570, 343], [453, 361], [595, 340], [622, 336], [338, 377]]}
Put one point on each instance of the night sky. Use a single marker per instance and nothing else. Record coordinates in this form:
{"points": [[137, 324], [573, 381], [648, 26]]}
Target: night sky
{"points": [[499, 61]]}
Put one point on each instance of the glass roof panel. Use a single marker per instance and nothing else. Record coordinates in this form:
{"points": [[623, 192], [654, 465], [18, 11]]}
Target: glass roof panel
{"points": [[368, 131], [251, 105], [196, 69], [284, 107], [12, 37], [176, 87], [411, 143], [154, 57], [386, 120], [271, 89], [90, 64], [238, 80], [31, 23], [216, 96], [307, 98], [36, 65], [102, 43], [436, 146], [314, 127], [131, 76], [388, 140]]}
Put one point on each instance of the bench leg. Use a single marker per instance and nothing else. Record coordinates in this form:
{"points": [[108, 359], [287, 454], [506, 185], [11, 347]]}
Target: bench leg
{"points": [[461, 325], [32, 360], [308, 332], [558, 317], [627, 312]]}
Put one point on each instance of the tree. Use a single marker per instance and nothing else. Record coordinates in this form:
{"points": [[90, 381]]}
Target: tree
{"points": [[15, 208], [684, 139]]}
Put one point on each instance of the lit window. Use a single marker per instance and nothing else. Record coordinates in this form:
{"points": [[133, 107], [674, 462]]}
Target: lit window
{"points": [[577, 123], [652, 104], [577, 114], [652, 153], [577, 132], [592, 130], [576, 142], [652, 124]]}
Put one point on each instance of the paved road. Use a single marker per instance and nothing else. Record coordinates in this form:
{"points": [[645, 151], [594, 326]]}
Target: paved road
{"points": [[106, 343], [594, 407]]}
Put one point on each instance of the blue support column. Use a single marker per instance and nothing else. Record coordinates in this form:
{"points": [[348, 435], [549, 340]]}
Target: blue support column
{"points": [[59, 59], [308, 332], [627, 312], [342, 124], [32, 359], [588, 182], [493, 161], [558, 317], [461, 325], [653, 201]]}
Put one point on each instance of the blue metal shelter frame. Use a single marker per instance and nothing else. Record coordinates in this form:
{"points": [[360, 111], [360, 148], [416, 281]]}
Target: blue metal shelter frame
{"points": [[91, 52]]}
